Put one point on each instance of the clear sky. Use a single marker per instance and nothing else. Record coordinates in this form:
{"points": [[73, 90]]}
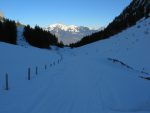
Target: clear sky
{"points": [[91, 13]]}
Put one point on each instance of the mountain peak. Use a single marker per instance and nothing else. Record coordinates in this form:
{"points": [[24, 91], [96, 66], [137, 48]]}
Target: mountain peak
{"points": [[69, 33], [71, 28], [57, 25]]}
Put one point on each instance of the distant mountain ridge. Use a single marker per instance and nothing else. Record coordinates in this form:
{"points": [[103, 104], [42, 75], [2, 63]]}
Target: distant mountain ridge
{"points": [[70, 34]]}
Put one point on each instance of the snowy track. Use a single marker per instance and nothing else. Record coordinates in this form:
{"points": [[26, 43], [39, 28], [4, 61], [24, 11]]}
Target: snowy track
{"points": [[71, 91]]}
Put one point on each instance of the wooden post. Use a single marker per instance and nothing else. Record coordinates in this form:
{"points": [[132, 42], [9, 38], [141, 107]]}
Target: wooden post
{"points": [[29, 74], [45, 67], [36, 70], [6, 81]]}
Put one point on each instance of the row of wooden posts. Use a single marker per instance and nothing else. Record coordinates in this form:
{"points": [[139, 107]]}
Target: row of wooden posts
{"points": [[29, 73]]}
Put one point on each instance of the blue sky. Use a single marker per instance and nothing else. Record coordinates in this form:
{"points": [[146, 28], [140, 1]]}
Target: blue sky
{"points": [[93, 13]]}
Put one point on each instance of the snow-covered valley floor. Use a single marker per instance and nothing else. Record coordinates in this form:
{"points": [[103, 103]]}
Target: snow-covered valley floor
{"points": [[84, 80]]}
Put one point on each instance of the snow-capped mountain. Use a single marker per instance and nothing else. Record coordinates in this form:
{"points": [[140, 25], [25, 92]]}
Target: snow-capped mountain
{"points": [[69, 34]]}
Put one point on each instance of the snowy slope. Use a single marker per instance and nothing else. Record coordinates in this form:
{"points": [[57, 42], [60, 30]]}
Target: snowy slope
{"points": [[20, 38], [122, 89], [84, 80], [129, 46], [15, 61]]}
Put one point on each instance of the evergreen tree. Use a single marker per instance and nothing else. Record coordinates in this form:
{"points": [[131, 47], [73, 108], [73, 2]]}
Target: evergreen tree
{"points": [[8, 31], [38, 37], [60, 44]]}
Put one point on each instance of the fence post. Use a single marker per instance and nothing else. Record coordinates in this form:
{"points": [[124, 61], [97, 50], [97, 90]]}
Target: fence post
{"points": [[6, 81], [29, 74], [36, 70], [45, 67]]}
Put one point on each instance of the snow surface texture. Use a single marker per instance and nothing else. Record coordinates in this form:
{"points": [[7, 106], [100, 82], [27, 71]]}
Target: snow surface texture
{"points": [[70, 34], [20, 38], [83, 81]]}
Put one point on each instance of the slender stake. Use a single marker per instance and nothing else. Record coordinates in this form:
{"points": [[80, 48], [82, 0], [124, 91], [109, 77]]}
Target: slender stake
{"points": [[29, 74], [6, 80], [36, 70], [45, 67]]}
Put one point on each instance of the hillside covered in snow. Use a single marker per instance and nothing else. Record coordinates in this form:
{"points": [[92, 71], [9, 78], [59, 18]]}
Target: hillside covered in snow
{"points": [[103, 77]]}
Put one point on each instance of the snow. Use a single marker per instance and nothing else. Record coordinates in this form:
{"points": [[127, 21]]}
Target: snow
{"points": [[84, 80], [70, 33], [20, 38], [71, 28], [64, 27]]}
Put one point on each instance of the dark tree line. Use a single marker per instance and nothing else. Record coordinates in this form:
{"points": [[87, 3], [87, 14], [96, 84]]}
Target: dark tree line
{"points": [[40, 38], [127, 18], [34, 36], [8, 31]]}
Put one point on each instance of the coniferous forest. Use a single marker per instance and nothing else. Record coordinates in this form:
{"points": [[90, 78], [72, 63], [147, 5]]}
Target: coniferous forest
{"points": [[8, 31], [38, 37]]}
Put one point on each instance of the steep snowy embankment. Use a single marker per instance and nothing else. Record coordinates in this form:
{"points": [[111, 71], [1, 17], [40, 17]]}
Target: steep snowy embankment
{"points": [[130, 46], [20, 38], [122, 89]]}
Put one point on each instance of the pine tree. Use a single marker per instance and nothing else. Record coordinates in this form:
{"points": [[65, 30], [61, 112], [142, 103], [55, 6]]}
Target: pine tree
{"points": [[8, 31], [38, 37]]}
